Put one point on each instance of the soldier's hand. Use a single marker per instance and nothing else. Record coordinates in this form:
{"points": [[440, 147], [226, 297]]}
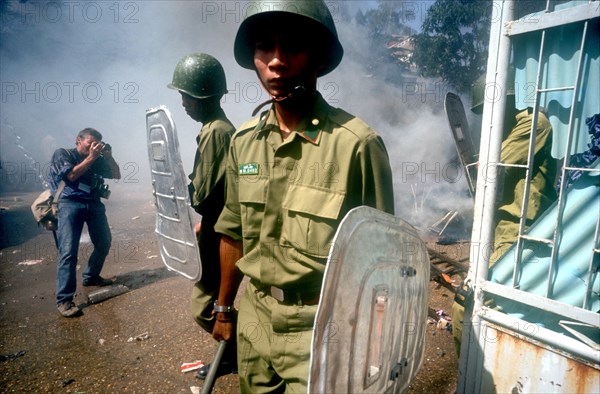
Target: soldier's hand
{"points": [[197, 231], [224, 327]]}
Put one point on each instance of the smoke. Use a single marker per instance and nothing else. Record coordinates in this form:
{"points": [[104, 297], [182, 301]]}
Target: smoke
{"points": [[70, 65], [409, 115]]}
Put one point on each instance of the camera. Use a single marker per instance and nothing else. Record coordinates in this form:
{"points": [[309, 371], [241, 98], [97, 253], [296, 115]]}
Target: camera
{"points": [[99, 188], [106, 148], [103, 191]]}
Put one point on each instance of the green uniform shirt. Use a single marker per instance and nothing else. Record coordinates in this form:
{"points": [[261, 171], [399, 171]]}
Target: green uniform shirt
{"points": [[207, 192], [208, 177], [514, 151], [285, 199]]}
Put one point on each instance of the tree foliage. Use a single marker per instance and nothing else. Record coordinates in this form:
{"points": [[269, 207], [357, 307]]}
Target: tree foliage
{"points": [[384, 24], [388, 19], [453, 43]]}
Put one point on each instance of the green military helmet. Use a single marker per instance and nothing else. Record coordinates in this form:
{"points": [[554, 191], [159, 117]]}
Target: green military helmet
{"points": [[200, 75], [312, 15], [478, 91]]}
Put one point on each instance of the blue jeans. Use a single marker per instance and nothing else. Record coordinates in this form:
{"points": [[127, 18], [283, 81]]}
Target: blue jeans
{"points": [[71, 217]]}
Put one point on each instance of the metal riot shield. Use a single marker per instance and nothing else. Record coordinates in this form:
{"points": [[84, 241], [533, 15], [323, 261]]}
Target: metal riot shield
{"points": [[462, 138], [369, 330], [174, 225]]}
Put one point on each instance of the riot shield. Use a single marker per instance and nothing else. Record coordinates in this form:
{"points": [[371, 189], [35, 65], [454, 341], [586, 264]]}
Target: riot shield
{"points": [[369, 330], [174, 225], [462, 138]]}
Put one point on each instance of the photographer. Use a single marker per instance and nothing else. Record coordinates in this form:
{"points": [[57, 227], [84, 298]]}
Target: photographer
{"points": [[83, 170]]}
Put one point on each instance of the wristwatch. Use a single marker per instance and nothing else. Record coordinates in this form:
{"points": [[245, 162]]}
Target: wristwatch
{"points": [[222, 309]]}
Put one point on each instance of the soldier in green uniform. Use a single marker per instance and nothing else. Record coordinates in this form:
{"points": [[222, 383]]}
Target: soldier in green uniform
{"points": [[293, 173], [511, 181], [200, 79], [542, 194]]}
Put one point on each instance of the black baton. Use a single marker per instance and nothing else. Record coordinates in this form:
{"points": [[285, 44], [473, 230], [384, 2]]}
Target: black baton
{"points": [[214, 366]]}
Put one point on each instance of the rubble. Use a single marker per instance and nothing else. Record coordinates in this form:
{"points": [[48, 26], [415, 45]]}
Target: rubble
{"points": [[104, 294], [188, 367], [12, 356], [140, 337]]}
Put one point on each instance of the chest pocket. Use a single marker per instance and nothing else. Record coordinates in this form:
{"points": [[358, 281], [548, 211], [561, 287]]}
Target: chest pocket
{"points": [[252, 195], [310, 218]]}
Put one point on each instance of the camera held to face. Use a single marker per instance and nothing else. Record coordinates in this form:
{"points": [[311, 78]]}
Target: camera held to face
{"points": [[106, 148]]}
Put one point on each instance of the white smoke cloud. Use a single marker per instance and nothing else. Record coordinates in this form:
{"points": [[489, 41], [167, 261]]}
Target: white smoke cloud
{"points": [[410, 117], [70, 65]]}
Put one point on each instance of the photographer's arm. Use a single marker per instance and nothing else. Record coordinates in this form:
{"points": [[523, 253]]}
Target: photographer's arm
{"points": [[82, 167]]}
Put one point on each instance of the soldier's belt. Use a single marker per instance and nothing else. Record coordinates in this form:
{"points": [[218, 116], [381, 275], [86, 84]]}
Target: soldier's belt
{"points": [[290, 297]]}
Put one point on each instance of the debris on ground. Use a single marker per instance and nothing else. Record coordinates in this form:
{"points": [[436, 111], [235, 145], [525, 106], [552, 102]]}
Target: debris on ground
{"points": [[444, 321], [31, 262], [67, 382], [105, 293], [141, 337], [12, 356], [441, 319], [188, 367], [443, 268], [440, 226]]}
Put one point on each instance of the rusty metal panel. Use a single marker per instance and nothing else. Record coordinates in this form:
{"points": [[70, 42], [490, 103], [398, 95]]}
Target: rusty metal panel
{"points": [[515, 363]]}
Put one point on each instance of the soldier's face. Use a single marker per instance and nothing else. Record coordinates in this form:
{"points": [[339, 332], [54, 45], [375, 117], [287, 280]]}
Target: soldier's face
{"points": [[284, 61], [192, 106]]}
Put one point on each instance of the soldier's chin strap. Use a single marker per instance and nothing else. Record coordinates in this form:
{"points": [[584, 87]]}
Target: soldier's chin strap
{"points": [[298, 91]]}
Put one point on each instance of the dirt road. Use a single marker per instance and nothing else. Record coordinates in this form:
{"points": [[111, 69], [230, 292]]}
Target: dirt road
{"points": [[133, 343]]}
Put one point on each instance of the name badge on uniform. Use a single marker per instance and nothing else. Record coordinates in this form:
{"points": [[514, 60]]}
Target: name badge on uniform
{"points": [[249, 169]]}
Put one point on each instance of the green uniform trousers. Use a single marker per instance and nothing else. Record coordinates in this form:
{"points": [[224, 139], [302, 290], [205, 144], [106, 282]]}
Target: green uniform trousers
{"points": [[274, 342], [206, 291], [203, 299]]}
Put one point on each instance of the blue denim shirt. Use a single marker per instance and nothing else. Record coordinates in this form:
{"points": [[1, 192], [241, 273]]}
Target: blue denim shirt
{"points": [[63, 161]]}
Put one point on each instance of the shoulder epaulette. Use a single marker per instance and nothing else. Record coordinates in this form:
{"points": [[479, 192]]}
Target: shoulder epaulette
{"points": [[350, 122], [222, 125], [249, 125]]}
